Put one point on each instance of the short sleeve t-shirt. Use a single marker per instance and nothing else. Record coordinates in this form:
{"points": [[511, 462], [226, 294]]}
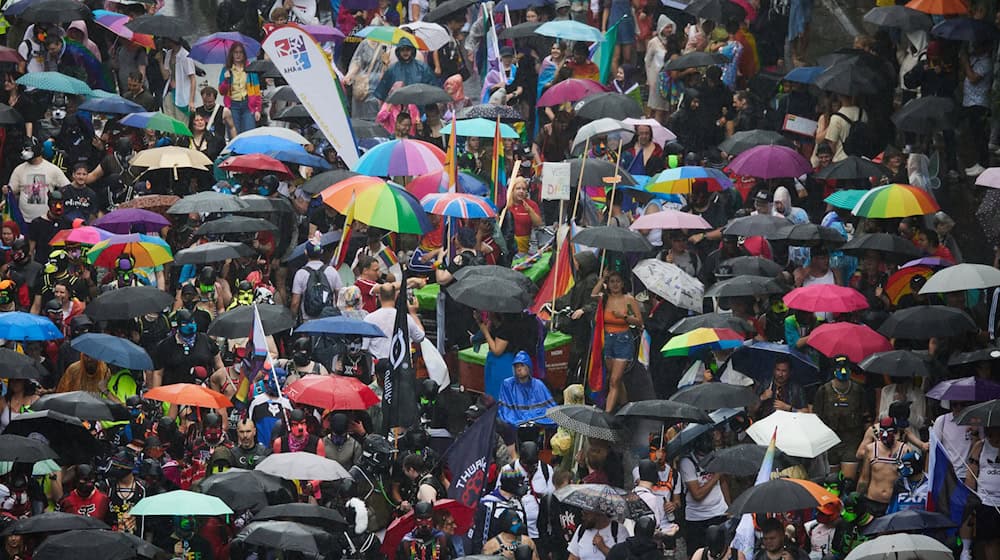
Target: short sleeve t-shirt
{"points": [[582, 543], [522, 220], [176, 363], [79, 203], [301, 282], [714, 503]]}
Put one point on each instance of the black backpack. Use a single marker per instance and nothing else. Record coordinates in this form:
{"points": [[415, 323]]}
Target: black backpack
{"points": [[318, 295], [862, 138]]}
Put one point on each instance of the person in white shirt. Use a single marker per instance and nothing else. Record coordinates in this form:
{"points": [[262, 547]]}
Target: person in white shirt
{"points": [[179, 73], [300, 282], [595, 536], [32, 180], [956, 440], [706, 494], [662, 507], [385, 319]]}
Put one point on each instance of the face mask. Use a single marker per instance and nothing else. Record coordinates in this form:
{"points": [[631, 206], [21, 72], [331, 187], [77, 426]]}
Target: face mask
{"points": [[842, 374], [849, 516], [188, 329], [263, 191], [515, 527], [300, 359], [85, 487], [213, 436], [906, 470], [57, 210], [887, 437], [338, 439], [27, 155], [299, 429]]}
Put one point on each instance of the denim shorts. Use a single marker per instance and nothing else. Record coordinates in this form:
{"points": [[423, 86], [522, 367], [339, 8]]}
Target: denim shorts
{"points": [[619, 346]]}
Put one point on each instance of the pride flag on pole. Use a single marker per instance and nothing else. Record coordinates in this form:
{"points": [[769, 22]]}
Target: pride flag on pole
{"points": [[603, 53], [499, 175], [450, 158], [345, 238]]}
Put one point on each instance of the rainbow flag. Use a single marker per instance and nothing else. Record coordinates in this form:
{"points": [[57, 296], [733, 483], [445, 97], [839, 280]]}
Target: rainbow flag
{"points": [[12, 211], [595, 364], [256, 358], [341, 255], [451, 159], [559, 280], [388, 257], [499, 175], [745, 536]]}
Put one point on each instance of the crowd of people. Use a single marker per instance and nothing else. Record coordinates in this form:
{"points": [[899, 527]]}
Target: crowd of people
{"points": [[751, 278]]}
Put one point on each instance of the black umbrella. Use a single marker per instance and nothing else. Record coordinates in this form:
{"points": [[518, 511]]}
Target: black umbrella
{"points": [[54, 11], [613, 238], [588, 421], [987, 354], [213, 252], [712, 321], [266, 69], [9, 115], [672, 411], [612, 105], [53, 522], [501, 295], [20, 366], [234, 224], [66, 434], [595, 171], [520, 30], [20, 449], [743, 460], [418, 94], [128, 303], [775, 496], [746, 139], [690, 434], [207, 202], [90, 544], [445, 9], [310, 514], [759, 224], [613, 502], [713, 396], [925, 115], [160, 25], [901, 17], [286, 94], [257, 204], [489, 272], [809, 235], [909, 521], [887, 244], [293, 113], [83, 405], [751, 265], [850, 77], [985, 415], [853, 168], [927, 321], [288, 536], [901, 363], [236, 323], [742, 286], [964, 29], [757, 360], [696, 59], [246, 489], [319, 182], [491, 111], [368, 129], [719, 11]]}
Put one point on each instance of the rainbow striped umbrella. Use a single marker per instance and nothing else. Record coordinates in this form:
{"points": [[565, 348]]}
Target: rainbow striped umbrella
{"points": [[697, 341], [898, 285], [156, 121], [84, 235], [679, 180], [401, 157], [391, 35], [145, 250], [391, 208], [340, 194], [115, 23], [458, 205], [895, 201]]}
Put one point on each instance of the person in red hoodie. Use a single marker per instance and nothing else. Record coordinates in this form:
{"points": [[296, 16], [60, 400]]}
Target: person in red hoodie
{"points": [[86, 499]]}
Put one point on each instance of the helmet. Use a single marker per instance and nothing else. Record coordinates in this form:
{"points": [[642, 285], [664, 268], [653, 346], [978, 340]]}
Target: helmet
{"points": [[512, 482], [649, 471], [263, 295], [182, 316], [267, 185], [716, 539], [58, 262], [841, 368], [423, 510], [8, 291], [244, 293], [302, 351], [645, 526], [376, 453], [338, 423], [528, 453], [123, 145], [911, 462]]}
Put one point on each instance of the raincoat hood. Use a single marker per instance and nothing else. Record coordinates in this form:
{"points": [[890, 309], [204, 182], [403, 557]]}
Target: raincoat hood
{"points": [[403, 43], [663, 22], [782, 195]]}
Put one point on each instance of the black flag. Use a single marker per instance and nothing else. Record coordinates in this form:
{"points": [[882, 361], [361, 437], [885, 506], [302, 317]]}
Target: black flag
{"points": [[399, 396], [469, 459]]}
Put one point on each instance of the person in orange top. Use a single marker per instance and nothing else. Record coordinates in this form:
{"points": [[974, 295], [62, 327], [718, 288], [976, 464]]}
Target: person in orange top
{"points": [[621, 313], [581, 65]]}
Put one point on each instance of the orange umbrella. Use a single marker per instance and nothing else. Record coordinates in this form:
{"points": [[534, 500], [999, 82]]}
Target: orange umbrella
{"points": [[940, 7], [339, 195], [781, 495], [189, 394]]}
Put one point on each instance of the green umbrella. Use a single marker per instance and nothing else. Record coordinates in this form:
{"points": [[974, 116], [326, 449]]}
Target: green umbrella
{"points": [[181, 502], [41, 468], [54, 81], [483, 128], [847, 198], [156, 121]]}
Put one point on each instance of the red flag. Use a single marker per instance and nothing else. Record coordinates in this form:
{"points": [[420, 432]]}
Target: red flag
{"points": [[562, 272], [595, 365]]}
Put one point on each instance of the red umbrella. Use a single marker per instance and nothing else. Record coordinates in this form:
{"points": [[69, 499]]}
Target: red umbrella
{"points": [[253, 163], [825, 298], [569, 91], [332, 392], [403, 525], [857, 342]]}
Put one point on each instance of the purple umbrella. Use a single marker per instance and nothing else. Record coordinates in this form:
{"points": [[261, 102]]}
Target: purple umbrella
{"points": [[928, 261], [324, 33], [214, 48], [967, 389], [770, 162], [131, 220]]}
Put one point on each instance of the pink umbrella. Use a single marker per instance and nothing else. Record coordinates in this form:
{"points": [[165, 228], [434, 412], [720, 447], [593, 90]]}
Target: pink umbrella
{"points": [[670, 219], [661, 135], [825, 298], [430, 183], [770, 162], [989, 178], [857, 342], [400, 157], [569, 91], [84, 235]]}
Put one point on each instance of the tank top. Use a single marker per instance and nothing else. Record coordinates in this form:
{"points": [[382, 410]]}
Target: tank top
{"points": [[989, 475]]}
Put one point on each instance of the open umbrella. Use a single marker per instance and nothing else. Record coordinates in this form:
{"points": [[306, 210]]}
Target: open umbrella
{"points": [[488, 272], [613, 238], [678, 180], [21, 449], [746, 139], [825, 298], [781, 495], [310, 541], [53, 11], [171, 157], [804, 74], [588, 421], [418, 94], [696, 59], [235, 224], [712, 320], [666, 410], [237, 322], [208, 202], [845, 198], [742, 286], [180, 502], [986, 415], [693, 432], [608, 104], [458, 205], [940, 7], [67, 435], [52, 522], [433, 35], [895, 201], [742, 460], [965, 276], [383, 205], [243, 489], [491, 111], [799, 434], [129, 220], [909, 521], [855, 341], [594, 172], [156, 121], [671, 283], [900, 17], [302, 466], [20, 366], [273, 132], [613, 502], [760, 224], [713, 396], [502, 295], [750, 265], [853, 168], [670, 219], [214, 48], [770, 162], [903, 281], [447, 8], [809, 235], [145, 250], [88, 544], [927, 321], [82, 404], [22, 327], [848, 77], [114, 105], [700, 341], [401, 157], [332, 392], [113, 350], [128, 303], [54, 81], [924, 115], [965, 389], [900, 363], [310, 514], [661, 135], [254, 163], [756, 360], [569, 30], [84, 235], [599, 127], [321, 181], [901, 546], [482, 128], [159, 25], [391, 35], [189, 394], [569, 90], [987, 354], [887, 244], [521, 30]]}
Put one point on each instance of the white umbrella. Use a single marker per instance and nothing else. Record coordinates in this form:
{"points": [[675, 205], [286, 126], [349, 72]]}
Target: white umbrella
{"points": [[603, 126], [433, 34], [962, 277], [901, 546], [799, 434], [300, 465], [671, 283], [283, 133], [661, 134]]}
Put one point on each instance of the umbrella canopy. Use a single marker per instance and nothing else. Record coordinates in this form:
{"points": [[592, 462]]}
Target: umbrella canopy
{"points": [[696, 59], [401, 157], [505, 113], [20, 449], [53, 11], [713, 396], [499, 294], [128, 303], [459, 205], [432, 34], [741, 286], [481, 128], [853, 168], [128, 220], [380, 204], [235, 224], [189, 394], [747, 265], [445, 9], [770, 162], [400, 526], [608, 104], [670, 219], [901, 546], [145, 250], [20, 326], [809, 235], [679, 180], [262, 144], [237, 322], [666, 410], [300, 465], [927, 321], [156, 121], [83, 405], [671, 283], [826, 298], [332, 392], [700, 341], [418, 94], [52, 522], [804, 74], [171, 157], [88, 544], [159, 25], [67, 435], [254, 163], [759, 224], [20, 366], [900, 17], [526, 29], [310, 514], [986, 415], [180, 502], [55, 81], [391, 35], [895, 201], [340, 326], [742, 460], [887, 244], [900, 363], [855, 341], [272, 132], [588, 421], [848, 77], [613, 238], [845, 199], [712, 320], [595, 171], [965, 276], [717, 10], [214, 48], [602, 498], [940, 7], [781, 495], [903, 281], [569, 30], [245, 489], [321, 181], [757, 361], [909, 521], [208, 202], [661, 135], [288, 536], [569, 90], [213, 252], [693, 432], [114, 105], [746, 139], [84, 235], [602, 126], [9, 115], [115, 23], [799, 434], [989, 178], [987, 354], [924, 115], [965, 389], [113, 350]]}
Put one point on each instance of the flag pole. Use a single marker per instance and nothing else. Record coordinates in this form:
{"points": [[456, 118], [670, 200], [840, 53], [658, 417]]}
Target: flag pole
{"points": [[555, 254], [614, 180], [579, 181]]}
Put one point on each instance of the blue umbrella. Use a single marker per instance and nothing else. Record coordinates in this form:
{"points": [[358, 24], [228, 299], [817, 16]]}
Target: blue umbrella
{"points": [[20, 326], [804, 74], [17, 8], [113, 350], [340, 326], [471, 183], [300, 157], [964, 29], [571, 31], [264, 144], [328, 239], [692, 432], [521, 4], [482, 128], [757, 362], [111, 105]]}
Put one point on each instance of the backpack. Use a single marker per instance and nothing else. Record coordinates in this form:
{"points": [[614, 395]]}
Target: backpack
{"points": [[318, 294], [862, 139]]}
